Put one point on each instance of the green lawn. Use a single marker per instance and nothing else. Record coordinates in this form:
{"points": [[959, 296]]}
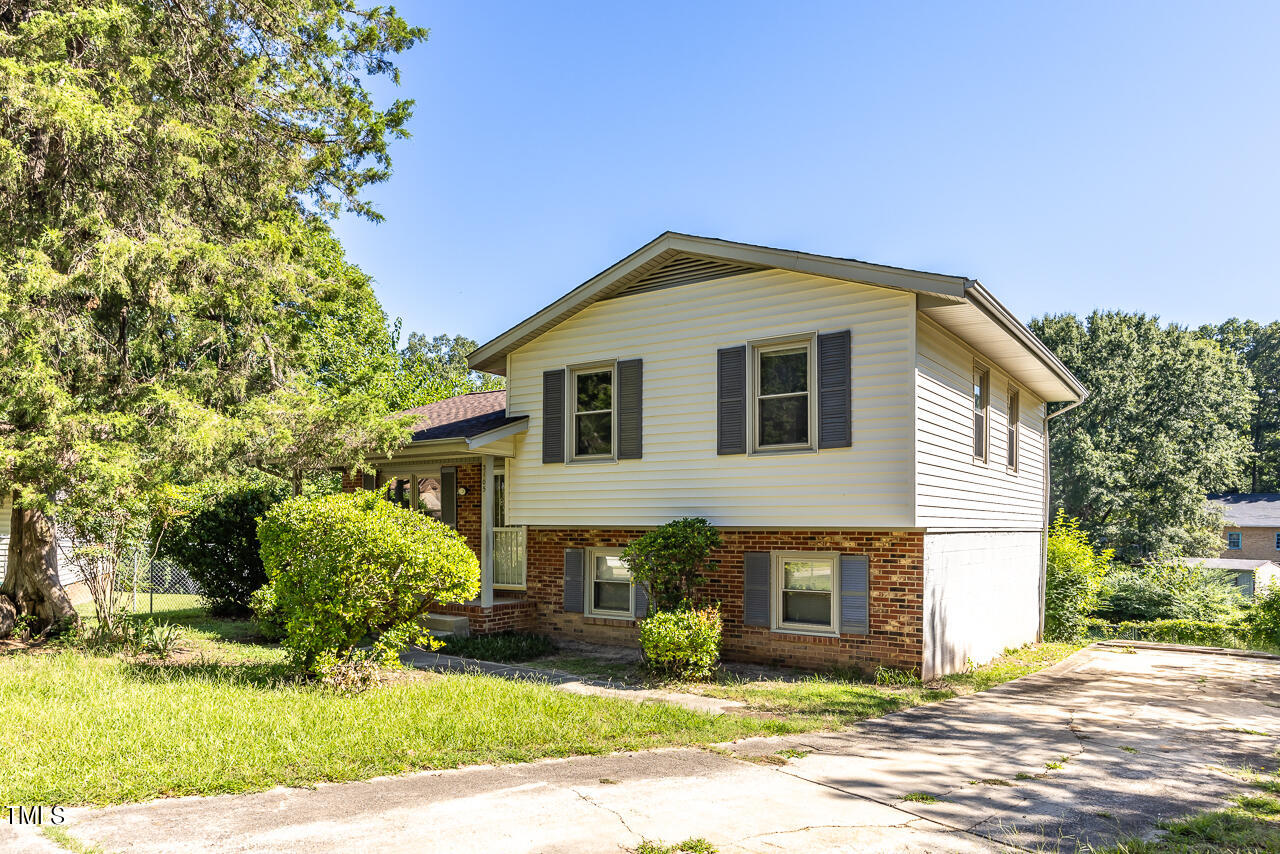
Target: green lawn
{"points": [[827, 700], [83, 729]]}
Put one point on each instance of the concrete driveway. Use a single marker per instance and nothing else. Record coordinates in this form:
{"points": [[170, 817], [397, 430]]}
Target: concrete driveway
{"points": [[1104, 744]]}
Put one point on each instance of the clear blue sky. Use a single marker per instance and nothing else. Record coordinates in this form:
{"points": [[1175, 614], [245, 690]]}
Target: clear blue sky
{"points": [[1070, 155]]}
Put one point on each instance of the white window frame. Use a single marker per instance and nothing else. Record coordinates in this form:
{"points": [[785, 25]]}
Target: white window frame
{"points": [[1013, 431], [808, 340], [571, 401], [589, 595], [1239, 540], [981, 370], [775, 593]]}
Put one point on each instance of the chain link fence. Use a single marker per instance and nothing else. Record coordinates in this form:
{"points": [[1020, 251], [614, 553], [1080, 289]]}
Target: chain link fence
{"points": [[158, 586]]}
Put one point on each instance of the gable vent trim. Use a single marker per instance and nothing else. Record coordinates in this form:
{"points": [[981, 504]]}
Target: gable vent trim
{"points": [[683, 270]]}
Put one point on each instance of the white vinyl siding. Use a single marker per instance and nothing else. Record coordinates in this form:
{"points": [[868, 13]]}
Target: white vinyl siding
{"points": [[952, 492], [677, 332]]}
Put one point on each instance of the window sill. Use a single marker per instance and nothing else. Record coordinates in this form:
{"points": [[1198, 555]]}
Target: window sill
{"points": [[591, 461], [781, 452], [809, 633], [511, 587]]}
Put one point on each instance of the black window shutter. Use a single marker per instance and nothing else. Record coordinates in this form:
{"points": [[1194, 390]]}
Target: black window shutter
{"points": [[573, 580], [756, 589], [835, 366], [630, 409], [731, 400], [553, 416], [855, 588], [368, 481], [449, 496]]}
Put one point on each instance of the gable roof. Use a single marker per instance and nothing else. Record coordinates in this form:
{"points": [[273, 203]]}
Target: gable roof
{"points": [[463, 417], [957, 303], [1250, 509]]}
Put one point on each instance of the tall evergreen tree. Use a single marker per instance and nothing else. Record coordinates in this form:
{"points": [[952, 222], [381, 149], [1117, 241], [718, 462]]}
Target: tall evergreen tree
{"points": [[167, 172]]}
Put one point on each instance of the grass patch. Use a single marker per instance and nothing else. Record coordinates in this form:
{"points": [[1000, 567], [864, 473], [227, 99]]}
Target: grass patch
{"points": [[689, 846], [228, 717], [504, 647], [1251, 824], [832, 700], [920, 798]]}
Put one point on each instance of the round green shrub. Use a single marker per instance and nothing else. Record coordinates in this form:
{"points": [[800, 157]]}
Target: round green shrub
{"points": [[684, 644], [265, 612], [672, 561], [1263, 618], [352, 566], [212, 533]]}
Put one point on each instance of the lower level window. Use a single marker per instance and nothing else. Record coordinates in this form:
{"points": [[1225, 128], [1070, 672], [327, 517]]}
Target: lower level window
{"points": [[609, 589], [805, 587], [1233, 540]]}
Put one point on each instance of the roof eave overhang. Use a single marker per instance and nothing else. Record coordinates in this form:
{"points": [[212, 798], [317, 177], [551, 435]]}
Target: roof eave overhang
{"points": [[982, 322], [491, 356]]}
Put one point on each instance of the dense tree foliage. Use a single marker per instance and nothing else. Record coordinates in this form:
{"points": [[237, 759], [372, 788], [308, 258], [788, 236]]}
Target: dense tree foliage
{"points": [[1165, 424], [1258, 346], [431, 369], [167, 171]]}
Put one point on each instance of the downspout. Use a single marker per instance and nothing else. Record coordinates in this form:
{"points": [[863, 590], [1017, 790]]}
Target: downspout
{"points": [[1044, 536]]}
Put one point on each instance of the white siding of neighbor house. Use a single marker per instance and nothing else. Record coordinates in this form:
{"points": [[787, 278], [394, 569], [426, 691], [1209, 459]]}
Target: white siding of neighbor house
{"points": [[677, 332], [955, 491], [981, 596]]}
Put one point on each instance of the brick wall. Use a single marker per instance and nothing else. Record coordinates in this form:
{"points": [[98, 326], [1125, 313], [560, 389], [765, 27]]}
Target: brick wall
{"points": [[896, 606], [511, 616], [1255, 544]]}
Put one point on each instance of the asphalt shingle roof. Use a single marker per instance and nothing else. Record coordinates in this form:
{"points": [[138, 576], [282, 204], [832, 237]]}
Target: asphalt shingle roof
{"points": [[1250, 509], [462, 417]]}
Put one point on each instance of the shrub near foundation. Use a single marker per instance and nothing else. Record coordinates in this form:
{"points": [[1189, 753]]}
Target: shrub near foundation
{"points": [[684, 644], [348, 567]]}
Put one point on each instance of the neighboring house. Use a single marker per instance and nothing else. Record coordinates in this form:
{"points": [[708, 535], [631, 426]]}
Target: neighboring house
{"points": [[1249, 576], [869, 440], [1252, 529]]}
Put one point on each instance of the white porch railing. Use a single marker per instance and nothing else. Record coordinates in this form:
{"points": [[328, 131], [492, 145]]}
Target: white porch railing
{"points": [[509, 557]]}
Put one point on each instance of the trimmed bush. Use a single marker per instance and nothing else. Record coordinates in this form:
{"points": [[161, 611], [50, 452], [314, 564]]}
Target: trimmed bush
{"points": [[501, 646], [672, 561], [350, 566], [1190, 632], [212, 533], [1073, 576], [684, 644]]}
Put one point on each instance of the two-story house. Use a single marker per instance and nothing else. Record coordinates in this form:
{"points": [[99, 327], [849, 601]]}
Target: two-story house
{"points": [[869, 440]]}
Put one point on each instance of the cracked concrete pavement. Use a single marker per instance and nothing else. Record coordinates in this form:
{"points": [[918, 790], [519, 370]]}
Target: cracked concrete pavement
{"points": [[1139, 737]]}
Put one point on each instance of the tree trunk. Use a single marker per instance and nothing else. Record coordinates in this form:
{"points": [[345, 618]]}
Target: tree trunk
{"points": [[31, 580]]}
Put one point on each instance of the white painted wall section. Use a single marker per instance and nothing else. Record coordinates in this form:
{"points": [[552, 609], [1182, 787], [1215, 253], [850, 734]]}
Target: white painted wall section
{"points": [[677, 332], [981, 595]]}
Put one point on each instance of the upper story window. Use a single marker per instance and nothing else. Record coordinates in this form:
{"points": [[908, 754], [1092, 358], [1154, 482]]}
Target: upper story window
{"points": [[1278, 542], [783, 395], [593, 413], [981, 402], [1234, 539], [1015, 413]]}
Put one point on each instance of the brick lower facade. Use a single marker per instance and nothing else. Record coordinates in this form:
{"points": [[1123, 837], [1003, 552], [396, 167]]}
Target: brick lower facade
{"points": [[896, 604]]}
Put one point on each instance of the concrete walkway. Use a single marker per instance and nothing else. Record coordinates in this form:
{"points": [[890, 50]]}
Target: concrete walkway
{"points": [[1102, 745]]}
